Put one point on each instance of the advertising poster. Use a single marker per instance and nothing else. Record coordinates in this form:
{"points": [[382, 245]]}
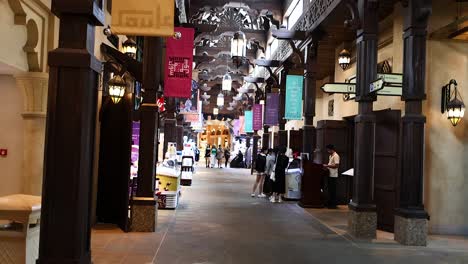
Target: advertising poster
{"points": [[257, 117], [248, 122], [135, 148], [294, 85], [271, 111], [179, 58]]}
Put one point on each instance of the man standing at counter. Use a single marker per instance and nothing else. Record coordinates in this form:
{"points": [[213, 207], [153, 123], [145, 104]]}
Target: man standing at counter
{"points": [[333, 165]]}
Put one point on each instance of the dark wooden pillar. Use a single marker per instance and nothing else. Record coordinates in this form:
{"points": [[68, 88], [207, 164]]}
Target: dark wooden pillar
{"points": [[69, 148], [411, 217], [254, 149], [308, 130], [363, 217], [265, 138], [149, 116], [282, 133], [170, 133], [180, 133]]}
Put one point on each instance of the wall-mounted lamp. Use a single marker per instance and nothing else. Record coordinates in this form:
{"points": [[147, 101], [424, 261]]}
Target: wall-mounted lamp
{"points": [[452, 103], [129, 47], [117, 86], [344, 59]]}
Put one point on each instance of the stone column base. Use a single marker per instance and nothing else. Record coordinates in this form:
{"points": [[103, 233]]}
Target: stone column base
{"points": [[144, 214], [362, 225], [411, 231]]}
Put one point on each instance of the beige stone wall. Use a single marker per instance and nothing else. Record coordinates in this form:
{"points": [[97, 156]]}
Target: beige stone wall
{"points": [[446, 169], [11, 136]]}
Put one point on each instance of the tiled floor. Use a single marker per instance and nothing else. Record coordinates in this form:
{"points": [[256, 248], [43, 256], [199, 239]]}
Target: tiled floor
{"points": [[218, 222]]}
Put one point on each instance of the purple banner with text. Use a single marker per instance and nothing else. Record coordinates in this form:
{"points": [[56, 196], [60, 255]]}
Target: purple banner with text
{"points": [[257, 117], [272, 109]]}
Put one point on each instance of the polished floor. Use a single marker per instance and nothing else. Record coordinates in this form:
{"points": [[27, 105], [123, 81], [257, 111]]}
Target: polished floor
{"points": [[217, 222]]}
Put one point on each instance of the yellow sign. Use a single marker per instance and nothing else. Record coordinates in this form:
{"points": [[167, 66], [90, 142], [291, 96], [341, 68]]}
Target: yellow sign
{"points": [[143, 17]]}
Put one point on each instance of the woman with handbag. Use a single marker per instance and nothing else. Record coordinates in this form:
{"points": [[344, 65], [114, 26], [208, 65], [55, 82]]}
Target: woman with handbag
{"points": [[279, 176], [260, 165], [269, 168]]}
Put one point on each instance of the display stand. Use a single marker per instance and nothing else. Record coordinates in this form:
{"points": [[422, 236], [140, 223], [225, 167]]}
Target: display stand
{"points": [[186, 174], [168, 187], [293, 181]]}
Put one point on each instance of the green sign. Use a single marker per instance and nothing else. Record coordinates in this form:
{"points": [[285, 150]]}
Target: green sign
{"points": [[248, 125], [294, 86], [344, 88]]}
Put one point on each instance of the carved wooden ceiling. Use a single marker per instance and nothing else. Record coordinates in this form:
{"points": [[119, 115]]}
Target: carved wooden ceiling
{"points": [[212, 49]]}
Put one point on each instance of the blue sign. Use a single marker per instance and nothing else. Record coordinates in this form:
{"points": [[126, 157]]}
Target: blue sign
{"points": [[248, 122], [294, 86]]}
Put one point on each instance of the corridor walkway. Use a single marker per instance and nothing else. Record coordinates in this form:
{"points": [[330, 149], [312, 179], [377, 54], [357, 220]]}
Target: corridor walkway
{"points": [[218, 222]]}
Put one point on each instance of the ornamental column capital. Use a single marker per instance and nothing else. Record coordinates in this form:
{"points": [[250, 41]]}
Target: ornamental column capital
{"points": [[34, 86]]}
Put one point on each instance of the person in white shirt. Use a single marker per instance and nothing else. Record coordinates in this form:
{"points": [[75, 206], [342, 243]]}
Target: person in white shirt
{"points": [[333, 165]]}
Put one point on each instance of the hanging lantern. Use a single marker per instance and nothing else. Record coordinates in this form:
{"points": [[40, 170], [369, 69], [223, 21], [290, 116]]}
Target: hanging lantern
{"points": [[215, 111], [227, 83], [117, 86], [129, 47], [455, 111], [238, 47], [220, 100], [455, 107], [344, 59]]}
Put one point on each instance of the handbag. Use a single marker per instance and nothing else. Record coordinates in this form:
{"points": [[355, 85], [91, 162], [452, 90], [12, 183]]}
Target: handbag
{"points": [[272, 175]]}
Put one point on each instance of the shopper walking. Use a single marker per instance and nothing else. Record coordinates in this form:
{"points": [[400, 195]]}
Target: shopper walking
{"points": [[279, 181], [248, 157], [207, 155], [219, 156], [260, 164], [333, 165], [227, 155], [213, 155], [269, 168]]}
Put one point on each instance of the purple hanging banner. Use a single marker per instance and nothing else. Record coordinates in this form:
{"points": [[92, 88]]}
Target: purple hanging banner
{"points": [[272, 109], [257, 117]]}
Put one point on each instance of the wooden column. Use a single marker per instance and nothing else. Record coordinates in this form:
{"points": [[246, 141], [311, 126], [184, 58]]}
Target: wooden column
{"points": [[411, 217], [254, 149], [170, 133], [149, 116], [69, 146], [282, 133], [363, 217], [265, 137], [180, 133], [308, 130]]}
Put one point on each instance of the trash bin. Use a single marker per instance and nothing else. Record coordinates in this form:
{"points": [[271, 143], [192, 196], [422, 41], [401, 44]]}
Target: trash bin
{"points": [[19, 228]]}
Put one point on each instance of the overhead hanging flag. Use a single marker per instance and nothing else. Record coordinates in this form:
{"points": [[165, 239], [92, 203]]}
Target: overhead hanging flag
{"points": [[179, 58], [294, 85], [257, 117], [248, 122], [241, 125], [143, 18], [272, 109]]}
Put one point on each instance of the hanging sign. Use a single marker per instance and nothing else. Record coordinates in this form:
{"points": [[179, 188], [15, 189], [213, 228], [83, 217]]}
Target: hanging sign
{"points": [[248, 123], [294, 85], [179, 58], [160, 103], [272, 109], [236, 127], [143, 18], [241, 125], [257, 117]]}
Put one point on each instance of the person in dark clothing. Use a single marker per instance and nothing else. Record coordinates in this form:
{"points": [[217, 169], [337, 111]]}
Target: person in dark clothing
{"points": [[227, 155], [333, 165], [207, 155], [279, 183], [260, 163]]}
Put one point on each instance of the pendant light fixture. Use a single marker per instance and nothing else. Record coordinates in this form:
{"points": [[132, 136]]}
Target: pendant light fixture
{"points": [[239, 45], [344, 59], [220, 100]]}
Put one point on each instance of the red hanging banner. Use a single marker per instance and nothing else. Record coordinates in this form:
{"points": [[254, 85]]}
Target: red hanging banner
{"points": [[179, 59]]}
